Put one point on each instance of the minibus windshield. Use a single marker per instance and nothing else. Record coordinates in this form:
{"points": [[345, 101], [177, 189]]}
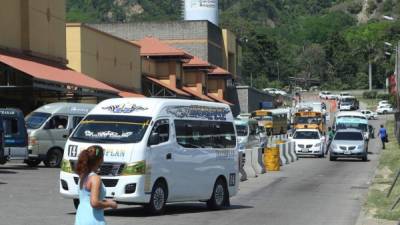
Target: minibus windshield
{"points": [[36, 119], [308, 120], [111, 129], [241, 130], [359, 126]]}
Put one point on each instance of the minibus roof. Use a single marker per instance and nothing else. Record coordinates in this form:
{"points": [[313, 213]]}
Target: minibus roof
{"points": [[66, 108], [10, 112], [155, 107], [350, 114]]}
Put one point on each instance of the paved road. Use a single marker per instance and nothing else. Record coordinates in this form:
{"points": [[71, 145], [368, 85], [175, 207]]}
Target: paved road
{"points": [[308, 192]]}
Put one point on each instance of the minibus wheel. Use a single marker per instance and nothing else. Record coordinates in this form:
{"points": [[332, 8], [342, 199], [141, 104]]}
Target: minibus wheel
{"points": [[76, 203], [54, 157], [158, 198], [219, 197], [33, 162]]}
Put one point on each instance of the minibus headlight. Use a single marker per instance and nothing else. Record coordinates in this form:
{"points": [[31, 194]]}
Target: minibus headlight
{"points": [[32, 141], [138, 168], [66, 166]]}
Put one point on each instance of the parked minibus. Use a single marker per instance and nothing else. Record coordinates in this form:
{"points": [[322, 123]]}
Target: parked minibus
{"points": [[49, 127], [356, 120], [13, 135], [158, 151], [249, 134], [280, 121]]}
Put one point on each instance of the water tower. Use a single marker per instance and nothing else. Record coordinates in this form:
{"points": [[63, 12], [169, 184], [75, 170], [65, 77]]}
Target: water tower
{"points": [[201, 10]]}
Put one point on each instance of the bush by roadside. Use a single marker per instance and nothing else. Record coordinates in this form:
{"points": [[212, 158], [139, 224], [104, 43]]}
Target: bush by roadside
{"points": [[377, 204]]}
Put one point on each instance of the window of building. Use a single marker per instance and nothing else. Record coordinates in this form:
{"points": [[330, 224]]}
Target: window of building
{"points": [[205, 134]]}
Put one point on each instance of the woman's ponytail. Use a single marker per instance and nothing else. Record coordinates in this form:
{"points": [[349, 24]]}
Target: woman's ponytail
{"points": [[87, 160]]}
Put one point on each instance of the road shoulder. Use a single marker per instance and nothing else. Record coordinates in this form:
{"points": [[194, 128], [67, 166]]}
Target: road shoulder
{"points": [[376, 207]]}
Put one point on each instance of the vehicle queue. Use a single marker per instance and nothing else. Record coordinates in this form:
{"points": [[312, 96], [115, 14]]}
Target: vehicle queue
{"points": [[152, 144]]}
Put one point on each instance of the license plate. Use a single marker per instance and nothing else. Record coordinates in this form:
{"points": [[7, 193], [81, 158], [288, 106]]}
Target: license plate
{"points": [[304, 150], [347, 152]]}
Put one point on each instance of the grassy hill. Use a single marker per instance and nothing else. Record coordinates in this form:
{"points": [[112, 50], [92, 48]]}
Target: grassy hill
{"points": [[330, 40]]}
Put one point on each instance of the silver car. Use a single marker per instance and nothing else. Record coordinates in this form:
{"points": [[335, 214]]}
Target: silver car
{"points": [[348, 143]]}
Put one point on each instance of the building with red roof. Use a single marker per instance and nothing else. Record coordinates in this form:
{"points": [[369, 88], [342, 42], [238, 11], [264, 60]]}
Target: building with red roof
{"points": [[33, 59]]}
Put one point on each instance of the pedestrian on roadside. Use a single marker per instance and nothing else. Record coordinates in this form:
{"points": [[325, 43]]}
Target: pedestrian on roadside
{"points": [[331, 134], [383, 135], [92, 191]]}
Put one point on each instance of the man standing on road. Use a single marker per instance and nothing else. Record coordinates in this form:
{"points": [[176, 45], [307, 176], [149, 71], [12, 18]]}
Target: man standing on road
{"points": [[383, 135], [331, 134]]}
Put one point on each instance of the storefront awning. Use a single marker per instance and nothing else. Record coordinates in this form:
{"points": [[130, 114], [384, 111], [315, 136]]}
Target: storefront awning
{"points": [[126, 94], [219, 99], [44, 71], [196, 94], [173, 89]]}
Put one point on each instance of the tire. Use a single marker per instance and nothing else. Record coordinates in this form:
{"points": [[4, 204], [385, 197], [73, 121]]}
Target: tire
{"points": [[384, 112], [365, 158], [54, 157], [219, 197], [332, 158], [33, 162], [76, 203], [158, 199]]}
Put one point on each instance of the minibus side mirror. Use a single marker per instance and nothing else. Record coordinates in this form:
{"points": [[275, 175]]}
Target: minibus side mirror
{"points": [[154, 139]]}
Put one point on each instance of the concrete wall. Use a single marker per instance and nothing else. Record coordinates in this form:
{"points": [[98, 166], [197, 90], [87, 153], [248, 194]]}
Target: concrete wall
{"points": [[47, 27], [231, 52], [10, 24], [104, 57], [250, 98], [199, 38], [195, 79], [37, 26]]}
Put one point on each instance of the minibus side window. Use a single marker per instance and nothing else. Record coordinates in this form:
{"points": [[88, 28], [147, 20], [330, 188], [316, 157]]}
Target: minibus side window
{"points": [[161, 127], [10, 126], [57, 122]]}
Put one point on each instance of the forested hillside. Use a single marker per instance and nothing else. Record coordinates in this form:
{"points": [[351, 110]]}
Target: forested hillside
{"points": [[324, 39]]}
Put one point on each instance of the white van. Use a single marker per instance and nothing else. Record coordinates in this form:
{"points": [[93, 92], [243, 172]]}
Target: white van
{"points": [[48, 129], [158, 151]]}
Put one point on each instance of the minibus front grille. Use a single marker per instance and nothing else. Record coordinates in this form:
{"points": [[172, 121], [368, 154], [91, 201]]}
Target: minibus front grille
{"points": [[106, 182], [106, 169]]}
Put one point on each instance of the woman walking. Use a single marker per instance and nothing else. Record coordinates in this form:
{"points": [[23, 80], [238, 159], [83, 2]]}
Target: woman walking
{"points": [[91, 190]]}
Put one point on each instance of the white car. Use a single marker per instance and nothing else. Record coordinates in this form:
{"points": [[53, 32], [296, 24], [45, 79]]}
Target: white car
{"points": [[327, 95], [309, 142], [383, 102], [369, 114], [275, 91], [384, 109], [343, 95]]}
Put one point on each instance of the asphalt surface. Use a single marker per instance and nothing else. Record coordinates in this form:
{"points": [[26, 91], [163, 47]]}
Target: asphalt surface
{"points": [[310, 191]]}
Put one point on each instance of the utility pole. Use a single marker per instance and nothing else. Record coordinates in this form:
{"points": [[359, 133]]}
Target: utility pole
{"points": [[370, 74], [277, 66], [251, 79], [397, 74]]}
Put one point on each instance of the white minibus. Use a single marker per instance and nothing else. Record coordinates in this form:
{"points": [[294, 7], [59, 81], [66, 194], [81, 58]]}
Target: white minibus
{"points": [[158, 151]]}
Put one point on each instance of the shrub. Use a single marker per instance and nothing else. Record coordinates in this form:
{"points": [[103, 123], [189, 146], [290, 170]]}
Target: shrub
{"points": [[355, 7], [383, 96], [371, 6], [370, 94]]}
